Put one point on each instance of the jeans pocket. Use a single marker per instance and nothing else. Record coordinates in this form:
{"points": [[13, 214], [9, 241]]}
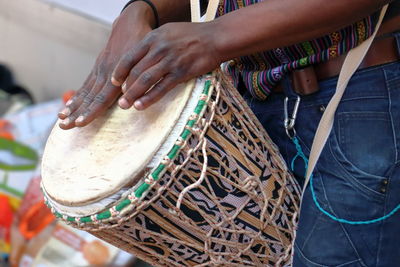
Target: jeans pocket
{"points": [[363, 144]]}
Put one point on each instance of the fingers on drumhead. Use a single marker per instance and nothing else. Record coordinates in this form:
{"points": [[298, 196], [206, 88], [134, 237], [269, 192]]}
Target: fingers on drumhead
{"points": [[79, 104], [126, 63], [100, 104], [137, 87], [74, 103], [156, 93]]}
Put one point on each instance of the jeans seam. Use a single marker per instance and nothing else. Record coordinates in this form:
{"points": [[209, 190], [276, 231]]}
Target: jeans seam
{"points": [[342, 140], [396, 160], [341, 224], [382, 227], [304, 258], [391, 115], [359, 185], [358, 260], [312, 231]]}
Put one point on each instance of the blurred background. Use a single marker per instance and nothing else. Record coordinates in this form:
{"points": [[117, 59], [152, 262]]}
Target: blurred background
{"points": [[50, 45], [47, 48]]}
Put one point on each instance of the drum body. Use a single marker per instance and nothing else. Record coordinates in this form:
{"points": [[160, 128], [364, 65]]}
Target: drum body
{"points": [[222, 196]]}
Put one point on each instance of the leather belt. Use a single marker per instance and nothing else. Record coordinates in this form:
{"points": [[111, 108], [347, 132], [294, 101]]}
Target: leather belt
{"points": [[305, 81]]}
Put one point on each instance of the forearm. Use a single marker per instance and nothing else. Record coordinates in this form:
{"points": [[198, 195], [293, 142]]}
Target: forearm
{"points": [[279, 23]]}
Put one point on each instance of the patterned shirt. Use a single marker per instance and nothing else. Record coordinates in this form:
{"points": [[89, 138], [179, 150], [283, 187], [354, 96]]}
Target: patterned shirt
{"points": [[262, 71]]}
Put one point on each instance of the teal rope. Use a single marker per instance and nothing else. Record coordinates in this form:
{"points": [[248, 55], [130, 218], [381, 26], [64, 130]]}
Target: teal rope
{"points": [[300, 153]]}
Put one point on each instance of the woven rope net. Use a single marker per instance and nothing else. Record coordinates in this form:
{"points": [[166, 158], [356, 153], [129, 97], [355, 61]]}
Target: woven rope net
{"points": [[226, 199]]}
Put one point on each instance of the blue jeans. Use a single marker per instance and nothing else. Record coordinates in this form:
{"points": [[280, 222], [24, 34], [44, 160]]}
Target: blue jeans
{"points": [[358, 174]]}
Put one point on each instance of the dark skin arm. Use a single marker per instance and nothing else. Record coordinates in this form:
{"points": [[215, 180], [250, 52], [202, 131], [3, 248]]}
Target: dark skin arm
{"points": [[177, 52], [98, 93]]}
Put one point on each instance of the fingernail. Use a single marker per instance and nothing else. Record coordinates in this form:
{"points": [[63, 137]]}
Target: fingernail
{"points": [[123, 87], [115, 82], [69, 102], [138, 105], [65, 122], [79, 119], [66, 112], [123, 103]]}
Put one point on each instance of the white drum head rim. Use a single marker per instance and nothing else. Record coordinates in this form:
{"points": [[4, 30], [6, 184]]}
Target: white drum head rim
{"points": [[133, 195]]}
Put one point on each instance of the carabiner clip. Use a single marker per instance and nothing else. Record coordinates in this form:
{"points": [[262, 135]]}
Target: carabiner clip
{"points": [[290, 122]]}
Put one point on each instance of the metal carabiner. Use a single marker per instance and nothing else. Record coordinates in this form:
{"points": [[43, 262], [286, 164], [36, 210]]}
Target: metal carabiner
{"points": [[290, 122]]}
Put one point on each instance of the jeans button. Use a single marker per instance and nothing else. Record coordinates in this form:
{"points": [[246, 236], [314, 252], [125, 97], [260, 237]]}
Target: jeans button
{"points": [[322, 108], [384, 185]]}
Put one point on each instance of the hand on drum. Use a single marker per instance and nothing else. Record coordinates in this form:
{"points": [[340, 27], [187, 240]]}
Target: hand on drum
{"points": [[98, 93], [146, 64], [167, 56]]}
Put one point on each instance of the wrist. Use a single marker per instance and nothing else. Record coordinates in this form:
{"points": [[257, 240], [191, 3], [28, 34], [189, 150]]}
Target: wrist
{"points": [[142, 11], [221, 45]]}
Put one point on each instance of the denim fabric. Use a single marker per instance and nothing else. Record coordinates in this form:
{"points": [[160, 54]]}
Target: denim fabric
{"points": [[358, 174]]}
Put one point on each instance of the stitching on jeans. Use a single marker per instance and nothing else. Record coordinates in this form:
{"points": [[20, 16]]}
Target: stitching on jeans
{"points": [[361, 187], [390, 114], [325, 195], [311, 232], [348, 117], [303, 257], [382, 224], [378, 196], [344, 264], [341, 224]]}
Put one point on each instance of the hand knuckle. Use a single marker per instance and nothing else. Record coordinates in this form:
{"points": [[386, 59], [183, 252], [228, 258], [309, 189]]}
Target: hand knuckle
{"points": [[146, 77], [127, 58], [159, 87], [162, 48], [83, 93], [135, 73], [87, 112], [100, 99], [102, 78], [178, 73], [151, 36], [88, 99]]}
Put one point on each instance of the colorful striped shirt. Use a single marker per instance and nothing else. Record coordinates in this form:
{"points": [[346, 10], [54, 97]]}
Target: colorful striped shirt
{"points": [[262, 71]]}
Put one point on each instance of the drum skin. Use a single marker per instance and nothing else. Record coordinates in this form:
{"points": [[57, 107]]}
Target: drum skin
{"points": [[84, 165], [225, 199]]}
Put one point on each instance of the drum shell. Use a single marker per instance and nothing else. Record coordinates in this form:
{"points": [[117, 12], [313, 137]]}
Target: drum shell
{"points": [[243, 212]]}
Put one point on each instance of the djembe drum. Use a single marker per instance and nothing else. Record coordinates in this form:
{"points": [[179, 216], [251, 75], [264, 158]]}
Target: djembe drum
{"points": [[192, 181]]}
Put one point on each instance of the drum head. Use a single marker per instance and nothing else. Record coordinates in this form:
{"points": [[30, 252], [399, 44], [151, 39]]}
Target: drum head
{"points": [[83, 165]]}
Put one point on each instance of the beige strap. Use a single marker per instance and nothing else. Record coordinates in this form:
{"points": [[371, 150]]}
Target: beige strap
{"points": [[350, 65], [211, 10], [210, 13], [195, 9]]}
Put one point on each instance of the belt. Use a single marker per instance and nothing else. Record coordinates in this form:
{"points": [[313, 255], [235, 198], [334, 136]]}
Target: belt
{"points": [[305, 81]]}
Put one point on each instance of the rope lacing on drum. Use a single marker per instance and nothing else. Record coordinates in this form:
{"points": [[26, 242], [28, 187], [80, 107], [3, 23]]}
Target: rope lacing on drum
{"points": [[201, 179]]}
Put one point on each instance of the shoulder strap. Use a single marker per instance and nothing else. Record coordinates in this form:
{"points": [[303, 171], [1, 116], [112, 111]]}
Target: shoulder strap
{"points": [[210, 13], [350, 65]]}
